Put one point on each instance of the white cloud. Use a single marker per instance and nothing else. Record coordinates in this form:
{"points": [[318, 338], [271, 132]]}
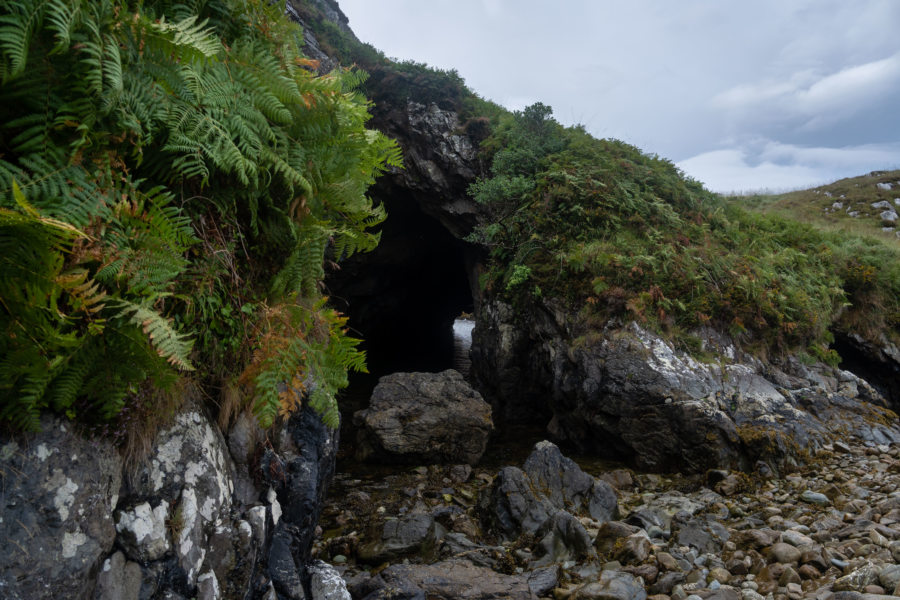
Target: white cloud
{"points": [[774, 166], [750, 95], [812, 100]]}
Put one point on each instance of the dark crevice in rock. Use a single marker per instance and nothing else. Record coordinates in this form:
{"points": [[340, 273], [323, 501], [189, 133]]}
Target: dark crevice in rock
{"points": [[870, 363]]}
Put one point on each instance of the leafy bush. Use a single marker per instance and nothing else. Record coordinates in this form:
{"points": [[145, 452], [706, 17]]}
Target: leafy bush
{"points": [[171, 168]]}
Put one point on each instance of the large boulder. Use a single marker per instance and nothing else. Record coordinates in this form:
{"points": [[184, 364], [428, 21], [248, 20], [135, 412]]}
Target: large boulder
{"points": [[424, 418], [57, 493], [625, 392]]}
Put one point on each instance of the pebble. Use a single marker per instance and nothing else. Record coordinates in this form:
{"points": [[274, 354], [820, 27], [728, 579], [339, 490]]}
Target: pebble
{"points": [[795, 538], [784, 553], [815, 498]]}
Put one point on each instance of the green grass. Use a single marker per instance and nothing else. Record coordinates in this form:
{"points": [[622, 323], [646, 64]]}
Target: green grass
{"points": [[855, 195]]}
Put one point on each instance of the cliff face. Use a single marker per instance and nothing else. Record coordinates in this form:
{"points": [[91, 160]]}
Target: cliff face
{"points": [[627, 393], [615, 389], [422, 275]]}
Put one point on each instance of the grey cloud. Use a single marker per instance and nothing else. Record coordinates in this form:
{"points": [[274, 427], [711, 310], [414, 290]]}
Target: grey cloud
{"points": [[685, 79]]}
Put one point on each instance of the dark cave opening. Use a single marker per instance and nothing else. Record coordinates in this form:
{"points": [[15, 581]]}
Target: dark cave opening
{"points": [[403, 297], [866, 363]]}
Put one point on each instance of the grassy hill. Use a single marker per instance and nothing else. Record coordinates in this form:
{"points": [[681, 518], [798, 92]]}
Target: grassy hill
{"points": [[853, 205]]}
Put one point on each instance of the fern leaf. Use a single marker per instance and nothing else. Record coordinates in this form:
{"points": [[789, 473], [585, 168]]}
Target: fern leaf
{"points": [[187, 40], [167, 342], [62, 16]]}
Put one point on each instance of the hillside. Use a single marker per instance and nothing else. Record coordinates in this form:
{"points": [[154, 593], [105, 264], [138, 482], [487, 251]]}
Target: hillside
{"points": [[862, 205]]}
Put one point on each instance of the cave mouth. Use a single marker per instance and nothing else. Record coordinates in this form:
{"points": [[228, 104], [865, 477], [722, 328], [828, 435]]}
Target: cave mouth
{"points": [[403, 297], [879, 373]]}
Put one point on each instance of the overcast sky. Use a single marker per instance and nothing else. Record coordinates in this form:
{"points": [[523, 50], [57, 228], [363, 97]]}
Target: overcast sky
{"points": [[742, 95]]}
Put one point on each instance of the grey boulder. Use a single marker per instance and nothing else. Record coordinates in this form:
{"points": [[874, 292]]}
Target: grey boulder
{"points": [[424, 418]]}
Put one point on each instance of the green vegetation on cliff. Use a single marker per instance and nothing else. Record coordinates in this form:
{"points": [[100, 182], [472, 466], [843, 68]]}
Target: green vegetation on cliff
{"points": [[173, 177], [616, 232]]}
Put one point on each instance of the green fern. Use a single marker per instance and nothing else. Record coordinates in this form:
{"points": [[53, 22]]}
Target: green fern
{"points": [[170, 345], [143, 137]]}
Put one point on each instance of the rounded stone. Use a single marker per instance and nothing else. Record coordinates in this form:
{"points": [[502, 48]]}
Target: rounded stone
{"points": [[784, 553]]}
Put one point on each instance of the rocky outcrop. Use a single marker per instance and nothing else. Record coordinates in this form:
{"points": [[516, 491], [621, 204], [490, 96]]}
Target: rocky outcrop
{"points": [[627, 393], [76, 528], [297, 471], [422, 275], [527, 500], [57, 493], [189, 473], [297, 11], [876, 360], [440, 159], [424, 418]]}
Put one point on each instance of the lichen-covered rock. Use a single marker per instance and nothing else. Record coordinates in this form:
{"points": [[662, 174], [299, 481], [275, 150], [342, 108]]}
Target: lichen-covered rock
{"points": [[326, 583], [142, 531], [628, 393], [190, 467], [57, 492], [424, 417]]}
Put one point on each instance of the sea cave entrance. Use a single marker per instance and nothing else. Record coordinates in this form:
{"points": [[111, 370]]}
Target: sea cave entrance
{"points": [[403, 297]]}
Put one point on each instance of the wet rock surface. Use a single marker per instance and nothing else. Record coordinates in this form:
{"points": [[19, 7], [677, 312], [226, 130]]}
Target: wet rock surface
{"points": [[676, 537], [423, 418]]}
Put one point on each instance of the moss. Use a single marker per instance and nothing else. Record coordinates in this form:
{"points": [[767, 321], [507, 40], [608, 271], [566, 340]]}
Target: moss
{"points": [[878, 415], [766, 442], [614, 232], [175, 524]]}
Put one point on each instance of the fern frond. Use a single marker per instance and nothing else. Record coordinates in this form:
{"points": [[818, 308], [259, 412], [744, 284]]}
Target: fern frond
{"points": [[168, 343], [62, 17], [18, 23], [186, 40]]}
